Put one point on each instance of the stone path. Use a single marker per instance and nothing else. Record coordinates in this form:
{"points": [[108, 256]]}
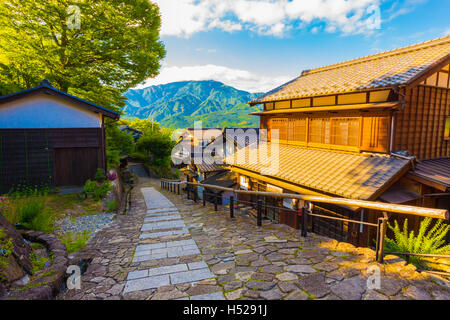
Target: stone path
{"points": [[162, 217], [168, 247]]}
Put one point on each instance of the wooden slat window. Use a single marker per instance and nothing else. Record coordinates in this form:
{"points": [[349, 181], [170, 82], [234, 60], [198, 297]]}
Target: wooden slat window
{"points": [[299, 130], [319, 130], [345, 131], [280, 124]]}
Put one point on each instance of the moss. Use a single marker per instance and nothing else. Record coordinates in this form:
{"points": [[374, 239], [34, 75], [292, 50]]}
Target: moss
{"points": [[38, 262], [33, 285]]}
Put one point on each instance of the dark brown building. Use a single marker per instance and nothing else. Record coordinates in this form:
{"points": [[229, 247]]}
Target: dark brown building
{"points": [[50, 137]]}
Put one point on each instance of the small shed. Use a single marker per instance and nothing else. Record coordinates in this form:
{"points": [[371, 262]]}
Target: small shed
{"points": [[49, 137]]}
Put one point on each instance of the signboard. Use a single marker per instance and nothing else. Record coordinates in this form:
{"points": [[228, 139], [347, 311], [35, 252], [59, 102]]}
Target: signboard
{"points": [[289, 203]]}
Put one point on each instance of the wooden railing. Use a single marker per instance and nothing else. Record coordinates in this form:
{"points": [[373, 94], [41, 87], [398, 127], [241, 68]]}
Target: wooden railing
{"points": [[305, 202]]}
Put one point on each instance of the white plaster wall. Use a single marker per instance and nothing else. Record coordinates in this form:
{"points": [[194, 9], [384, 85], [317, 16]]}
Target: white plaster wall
{"points": [[45, 111]]}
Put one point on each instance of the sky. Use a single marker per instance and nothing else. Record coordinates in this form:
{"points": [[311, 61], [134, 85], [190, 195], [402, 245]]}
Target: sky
{"points": [[257, 45]]}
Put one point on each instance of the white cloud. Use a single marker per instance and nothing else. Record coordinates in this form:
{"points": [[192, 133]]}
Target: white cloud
{"points": [[270, 17], [240, 79]]}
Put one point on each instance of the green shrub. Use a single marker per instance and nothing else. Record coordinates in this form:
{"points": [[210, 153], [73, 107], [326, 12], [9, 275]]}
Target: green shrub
{"points": [[8, 210], [75, 241], [97, 190], [100, 175], [33, 214], [111, 205], [426, 242]]}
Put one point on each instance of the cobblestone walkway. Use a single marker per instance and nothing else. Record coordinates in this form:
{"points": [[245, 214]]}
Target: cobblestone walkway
{"points": [[167, 247]]}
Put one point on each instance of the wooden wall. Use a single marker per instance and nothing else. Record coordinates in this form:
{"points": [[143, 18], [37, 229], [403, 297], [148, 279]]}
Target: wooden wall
{"points": [[373, 130], [29, 156], [419, 128]]}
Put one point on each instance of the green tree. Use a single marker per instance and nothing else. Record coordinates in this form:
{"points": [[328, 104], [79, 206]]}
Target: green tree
{"points": [[144, 125], [115, 48], [157, 146], [117, 142]]}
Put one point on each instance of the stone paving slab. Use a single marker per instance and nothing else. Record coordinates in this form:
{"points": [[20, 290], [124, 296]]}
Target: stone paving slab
{"points": [[162, 214], [163, 233], [163, 225], [161, 210], [163, 218]]}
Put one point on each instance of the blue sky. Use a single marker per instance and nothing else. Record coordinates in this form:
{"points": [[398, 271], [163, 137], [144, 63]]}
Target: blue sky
{"points": [[256, 45]]}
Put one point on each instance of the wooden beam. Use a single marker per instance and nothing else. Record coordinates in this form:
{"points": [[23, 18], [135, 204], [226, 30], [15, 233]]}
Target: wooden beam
{"points": [[379, 206]]}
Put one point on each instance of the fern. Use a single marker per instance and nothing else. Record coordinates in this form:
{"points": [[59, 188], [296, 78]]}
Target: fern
{"points": [[427, 241]]}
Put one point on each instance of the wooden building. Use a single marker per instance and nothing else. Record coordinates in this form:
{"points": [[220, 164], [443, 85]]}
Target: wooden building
{"points": [[50, 137], [373, 128]]}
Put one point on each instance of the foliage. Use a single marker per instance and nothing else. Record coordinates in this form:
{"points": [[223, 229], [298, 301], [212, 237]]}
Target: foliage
{"points": [[24, 190], [116, 47], [427, 241], [75, 241], [8, 210], [98, 190], [111, 205], [158, 146], [6, 247], [32, 213], [117, 142], [100, 175], [38, 262], [144, 125]]}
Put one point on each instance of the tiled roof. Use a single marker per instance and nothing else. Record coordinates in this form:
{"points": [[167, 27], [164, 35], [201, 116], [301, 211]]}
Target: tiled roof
{"points": [[384, 69], [209, 167], [437, 170], [347, 175]]}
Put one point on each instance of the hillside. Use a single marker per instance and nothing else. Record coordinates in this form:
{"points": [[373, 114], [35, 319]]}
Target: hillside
{"points": [[179, 104]]}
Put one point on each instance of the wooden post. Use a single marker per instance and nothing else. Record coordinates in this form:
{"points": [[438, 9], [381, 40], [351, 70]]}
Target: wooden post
{"points": [[305, 219], [215, 202], [231, 207], [381, 236], [187, 191], [195, 190], [204, 197], [259, 216]]}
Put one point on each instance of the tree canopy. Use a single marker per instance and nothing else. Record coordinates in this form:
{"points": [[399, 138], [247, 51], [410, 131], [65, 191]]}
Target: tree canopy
{"points": [[115, 48]]}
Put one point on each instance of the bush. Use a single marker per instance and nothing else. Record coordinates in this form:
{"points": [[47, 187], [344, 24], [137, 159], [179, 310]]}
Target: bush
{"points": [[100, 175], [98, 190], [33, 215], [75, 241], [111, 205], [426, 242], [8, 210]]}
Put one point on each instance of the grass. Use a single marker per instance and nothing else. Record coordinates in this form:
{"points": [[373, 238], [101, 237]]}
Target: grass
{"points": [[71, 205], [75, 241], [38, 263]]}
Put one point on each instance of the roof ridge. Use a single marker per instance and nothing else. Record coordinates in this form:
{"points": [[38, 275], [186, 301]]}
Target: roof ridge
{"points": [[380, 55]]}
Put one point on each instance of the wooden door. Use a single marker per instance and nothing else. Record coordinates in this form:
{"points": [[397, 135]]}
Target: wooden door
{"points": [[73, 166]]}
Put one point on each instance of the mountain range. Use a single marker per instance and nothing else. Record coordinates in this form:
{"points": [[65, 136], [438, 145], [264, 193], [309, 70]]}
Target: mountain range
{"points": [[180, 104]]}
